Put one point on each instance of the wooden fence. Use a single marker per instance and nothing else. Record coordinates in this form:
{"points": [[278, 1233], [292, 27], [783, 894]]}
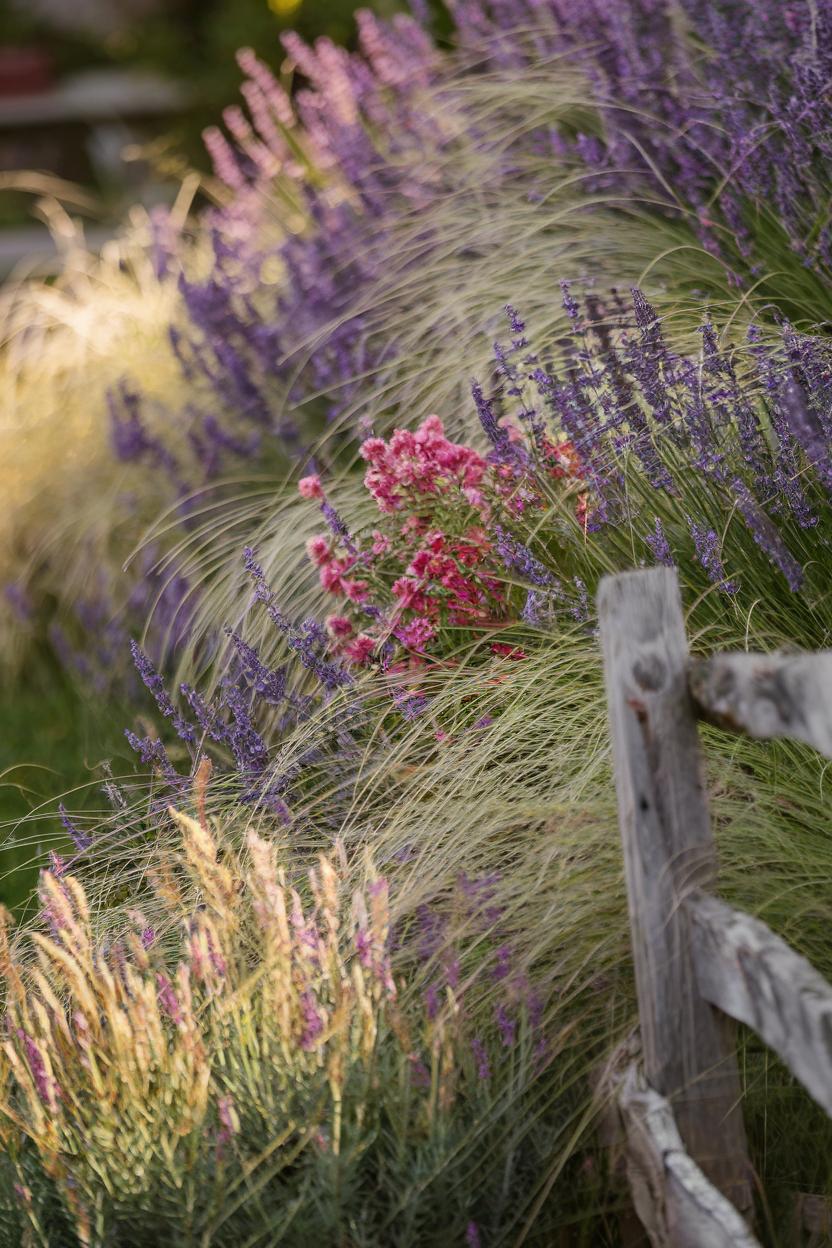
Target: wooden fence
{"points": [[699, 963]]}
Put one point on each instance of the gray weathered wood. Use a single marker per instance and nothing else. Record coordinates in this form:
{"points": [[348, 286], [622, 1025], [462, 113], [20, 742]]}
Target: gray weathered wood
{"points": [[753, 976], [677, 1205], [688, 1046], [812, 1220], [606, 1081], [768, 695]]}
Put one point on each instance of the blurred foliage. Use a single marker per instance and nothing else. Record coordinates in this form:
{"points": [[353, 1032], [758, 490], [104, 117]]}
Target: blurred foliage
{"points": [[54, 741], [193, 42]]}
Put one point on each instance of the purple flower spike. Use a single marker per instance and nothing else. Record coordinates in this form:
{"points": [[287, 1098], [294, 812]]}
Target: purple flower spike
{"points": [[518, 558], [659, 545], [507, 1026], [313, 1023], [481, 1058], [168, 1001], [570, 303], [472, 1236], [337, 526], [708, 554], [767, 537], [37, 1066], [80, 839], [156, 685]]}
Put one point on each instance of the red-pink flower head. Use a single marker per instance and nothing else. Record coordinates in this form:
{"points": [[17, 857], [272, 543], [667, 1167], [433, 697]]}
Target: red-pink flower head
{"points": [[373, 450], [421, 463], [319, 551], [360, 648], [339, 626], [310, 487], [356, 591], [330, 577], [416, 634]]}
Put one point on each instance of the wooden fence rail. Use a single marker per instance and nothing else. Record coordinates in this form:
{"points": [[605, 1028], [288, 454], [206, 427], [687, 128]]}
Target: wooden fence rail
{"points": [[699, 963]]}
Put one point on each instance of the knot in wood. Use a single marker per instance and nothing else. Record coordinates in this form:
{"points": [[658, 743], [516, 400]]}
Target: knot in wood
{"points": [[777, 704], [649, 671]]}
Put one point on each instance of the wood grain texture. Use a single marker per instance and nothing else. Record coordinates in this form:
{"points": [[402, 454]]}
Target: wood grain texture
{"points": [[812, 1226], [768, 695], [677, 1205], [753, 976], [688, 1046]]}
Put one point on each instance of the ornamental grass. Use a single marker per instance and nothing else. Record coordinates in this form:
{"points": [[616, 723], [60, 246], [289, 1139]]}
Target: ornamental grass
{"points": [[241, 1068]]}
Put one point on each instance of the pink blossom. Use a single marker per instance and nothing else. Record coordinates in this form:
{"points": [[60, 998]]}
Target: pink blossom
{"points": [[330, 577], [417, 633], [310, 487], [356, 591], [381, 544], [373, 450], [420, 563], [360, 648], [403, 442], [382, 486], [430, 430], [339, 626], [406, 589], [318, 550]]}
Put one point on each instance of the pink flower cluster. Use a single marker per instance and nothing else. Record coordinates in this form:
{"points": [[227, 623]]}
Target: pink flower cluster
{"points": [[334, 572], [445, 578], [417, 464], [435, 565], [432, 564]]}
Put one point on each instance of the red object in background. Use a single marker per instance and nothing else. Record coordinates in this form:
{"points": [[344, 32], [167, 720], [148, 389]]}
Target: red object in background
{"points": [[25, 71]]}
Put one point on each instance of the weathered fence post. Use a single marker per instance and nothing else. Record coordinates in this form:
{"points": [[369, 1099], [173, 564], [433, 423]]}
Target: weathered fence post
{"points": [[687, 1045]]}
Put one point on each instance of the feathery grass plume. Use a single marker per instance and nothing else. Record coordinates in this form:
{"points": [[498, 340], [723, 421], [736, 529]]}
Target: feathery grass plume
{"points": [[249, 1054], [64, 344]]}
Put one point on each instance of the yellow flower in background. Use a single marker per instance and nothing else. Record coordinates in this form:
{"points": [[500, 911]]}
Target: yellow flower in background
{"points": [[284, 8]]}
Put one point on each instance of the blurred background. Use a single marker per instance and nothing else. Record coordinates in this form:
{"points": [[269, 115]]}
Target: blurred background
{"points": [[112, 96]]}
